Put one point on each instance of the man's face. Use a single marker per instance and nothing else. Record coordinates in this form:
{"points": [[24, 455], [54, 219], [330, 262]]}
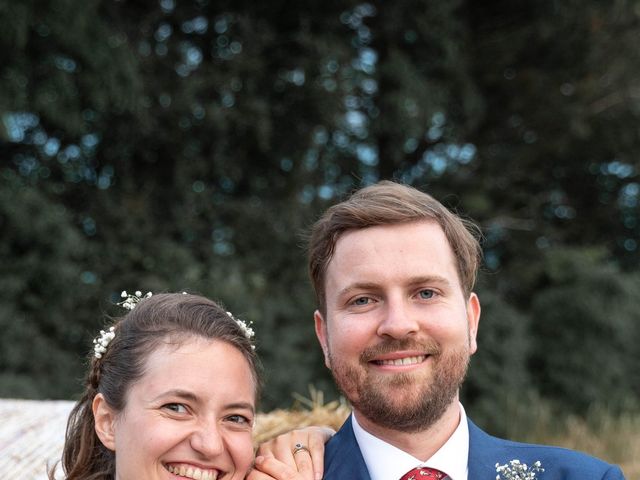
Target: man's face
{"points": [[398, 331]]}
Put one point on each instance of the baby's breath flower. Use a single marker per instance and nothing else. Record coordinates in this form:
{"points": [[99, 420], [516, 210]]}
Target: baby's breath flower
{"points": [[515, 470], [101, 342], [246, 329], [130, 301]]}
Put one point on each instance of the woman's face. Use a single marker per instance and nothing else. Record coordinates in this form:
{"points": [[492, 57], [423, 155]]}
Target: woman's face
{"points": [[190, 415]]}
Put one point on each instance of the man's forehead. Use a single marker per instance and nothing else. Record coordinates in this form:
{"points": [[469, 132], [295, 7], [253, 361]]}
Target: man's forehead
{"points": [[429, 230], [419, 247]]}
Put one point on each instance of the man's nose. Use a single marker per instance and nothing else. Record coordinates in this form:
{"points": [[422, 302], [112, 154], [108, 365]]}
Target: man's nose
{"points": [[399, 320]]}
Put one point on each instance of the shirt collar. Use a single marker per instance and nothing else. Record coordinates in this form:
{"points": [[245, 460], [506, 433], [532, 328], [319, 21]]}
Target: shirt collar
{"points": [[385, 462]]}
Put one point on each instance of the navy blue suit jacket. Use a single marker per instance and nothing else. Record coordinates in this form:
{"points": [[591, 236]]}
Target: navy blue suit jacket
{"points": [[343, 459]]}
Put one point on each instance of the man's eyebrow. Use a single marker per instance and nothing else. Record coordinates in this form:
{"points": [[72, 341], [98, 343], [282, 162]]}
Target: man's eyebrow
{"points": [[358, 286], [414, 281], [437, 279]]}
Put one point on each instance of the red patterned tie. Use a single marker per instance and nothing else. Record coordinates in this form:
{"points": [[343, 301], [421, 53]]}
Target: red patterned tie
{"points": [[423, 473]]}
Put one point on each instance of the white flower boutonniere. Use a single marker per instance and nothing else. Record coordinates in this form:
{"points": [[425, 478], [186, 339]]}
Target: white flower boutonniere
{"points": [[514, 470]]}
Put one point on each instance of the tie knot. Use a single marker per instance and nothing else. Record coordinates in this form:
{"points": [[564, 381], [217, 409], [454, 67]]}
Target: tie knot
{"points": [[423, 473]]}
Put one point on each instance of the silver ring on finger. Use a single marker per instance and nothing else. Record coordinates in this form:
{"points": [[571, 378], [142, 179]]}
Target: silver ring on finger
{"points": [[299, 447]]}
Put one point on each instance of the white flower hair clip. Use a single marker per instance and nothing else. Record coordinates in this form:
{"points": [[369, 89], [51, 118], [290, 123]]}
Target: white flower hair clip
{"points": [[101, 342], [130, 301], [514, 470], [246, 329]]}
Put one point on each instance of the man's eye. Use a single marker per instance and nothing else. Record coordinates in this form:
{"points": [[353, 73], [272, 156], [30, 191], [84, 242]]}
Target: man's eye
{"points": [[361, 301], [176, 407], [426, 294]]}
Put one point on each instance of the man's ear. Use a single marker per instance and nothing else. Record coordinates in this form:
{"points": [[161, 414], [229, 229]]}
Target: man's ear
{"points": [[473, 319], [321, 333], [104, 419]]}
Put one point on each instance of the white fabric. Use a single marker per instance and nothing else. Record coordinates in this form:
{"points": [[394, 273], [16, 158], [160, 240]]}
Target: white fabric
{"points": [[386, 462]]}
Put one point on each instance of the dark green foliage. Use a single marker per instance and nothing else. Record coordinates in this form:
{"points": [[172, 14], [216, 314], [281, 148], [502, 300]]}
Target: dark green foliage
{"points": [[586, 327], [498, 376], [41, 295], [163, 145]]}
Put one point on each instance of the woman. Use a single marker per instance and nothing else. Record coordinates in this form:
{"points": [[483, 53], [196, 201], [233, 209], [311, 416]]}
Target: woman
{"points": [[171, 393]]}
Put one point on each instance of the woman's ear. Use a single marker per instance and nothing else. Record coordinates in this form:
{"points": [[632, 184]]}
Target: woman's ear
{"points": [[104, 418]]}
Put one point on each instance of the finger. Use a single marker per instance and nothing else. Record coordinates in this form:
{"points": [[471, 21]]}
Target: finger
{"points": [[280, 448], [256, 475], [304, 463], [316, 449], [270, 468]]}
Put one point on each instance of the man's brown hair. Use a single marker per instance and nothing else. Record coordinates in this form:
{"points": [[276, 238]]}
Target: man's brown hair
{"points": [[389, 203]]}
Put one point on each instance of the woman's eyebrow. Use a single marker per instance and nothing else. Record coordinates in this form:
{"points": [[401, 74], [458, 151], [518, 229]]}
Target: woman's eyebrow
{"points": [[241, 405], [184, 394]]}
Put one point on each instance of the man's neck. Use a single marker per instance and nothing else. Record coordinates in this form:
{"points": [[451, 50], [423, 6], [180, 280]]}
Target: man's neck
{"points": [[422, 444]]}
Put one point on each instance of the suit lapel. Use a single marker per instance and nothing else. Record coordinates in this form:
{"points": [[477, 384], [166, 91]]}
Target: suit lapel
{"points": [[343, 459], [484, 452]]}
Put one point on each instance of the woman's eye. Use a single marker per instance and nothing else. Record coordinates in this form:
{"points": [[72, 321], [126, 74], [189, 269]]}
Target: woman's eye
{"points": [[176, 407], [426, 294], [239, 419]]}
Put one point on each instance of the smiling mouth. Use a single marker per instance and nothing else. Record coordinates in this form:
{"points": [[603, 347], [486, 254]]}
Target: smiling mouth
{"points": [[189, 471], [398, 362]]}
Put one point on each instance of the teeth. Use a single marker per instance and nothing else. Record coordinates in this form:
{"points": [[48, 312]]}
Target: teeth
{"points": [[403, 361], [192, 472]]}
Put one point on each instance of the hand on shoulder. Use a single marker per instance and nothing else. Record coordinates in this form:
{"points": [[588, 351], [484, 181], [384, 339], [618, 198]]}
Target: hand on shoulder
{"points": [[295, 455]]}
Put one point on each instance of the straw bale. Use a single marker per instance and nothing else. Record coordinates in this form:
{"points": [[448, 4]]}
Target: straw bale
{"points": [[31, 436], [32, 431], [272, 424]]}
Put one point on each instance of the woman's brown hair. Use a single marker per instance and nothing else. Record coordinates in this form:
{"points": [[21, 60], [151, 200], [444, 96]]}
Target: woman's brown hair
{"points": [[160, 319]]}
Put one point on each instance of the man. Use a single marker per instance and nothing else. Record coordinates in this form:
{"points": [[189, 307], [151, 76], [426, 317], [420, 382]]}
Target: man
{"points": [[397, 319]]}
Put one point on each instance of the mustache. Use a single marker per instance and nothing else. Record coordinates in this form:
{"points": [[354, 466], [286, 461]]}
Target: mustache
{"points": [[429, 347]]}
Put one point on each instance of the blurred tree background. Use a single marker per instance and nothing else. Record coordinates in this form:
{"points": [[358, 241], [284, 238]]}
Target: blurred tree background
{"points": [[186, 144]]}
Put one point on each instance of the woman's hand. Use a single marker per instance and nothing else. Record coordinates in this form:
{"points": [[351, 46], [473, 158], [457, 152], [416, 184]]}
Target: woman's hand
{"points": [[276, 458], [268, 468]]}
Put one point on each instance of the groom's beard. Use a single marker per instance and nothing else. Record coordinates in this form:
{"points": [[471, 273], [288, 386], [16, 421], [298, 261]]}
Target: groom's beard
{"points": [[408, 402]]}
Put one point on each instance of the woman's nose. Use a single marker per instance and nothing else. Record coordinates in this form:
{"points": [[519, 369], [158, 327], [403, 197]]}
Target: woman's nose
{"points": [[207, 439]]}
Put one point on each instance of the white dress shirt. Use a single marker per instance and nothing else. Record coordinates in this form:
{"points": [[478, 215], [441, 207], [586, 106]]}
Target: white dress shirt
{"points": [[386, 462]]}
